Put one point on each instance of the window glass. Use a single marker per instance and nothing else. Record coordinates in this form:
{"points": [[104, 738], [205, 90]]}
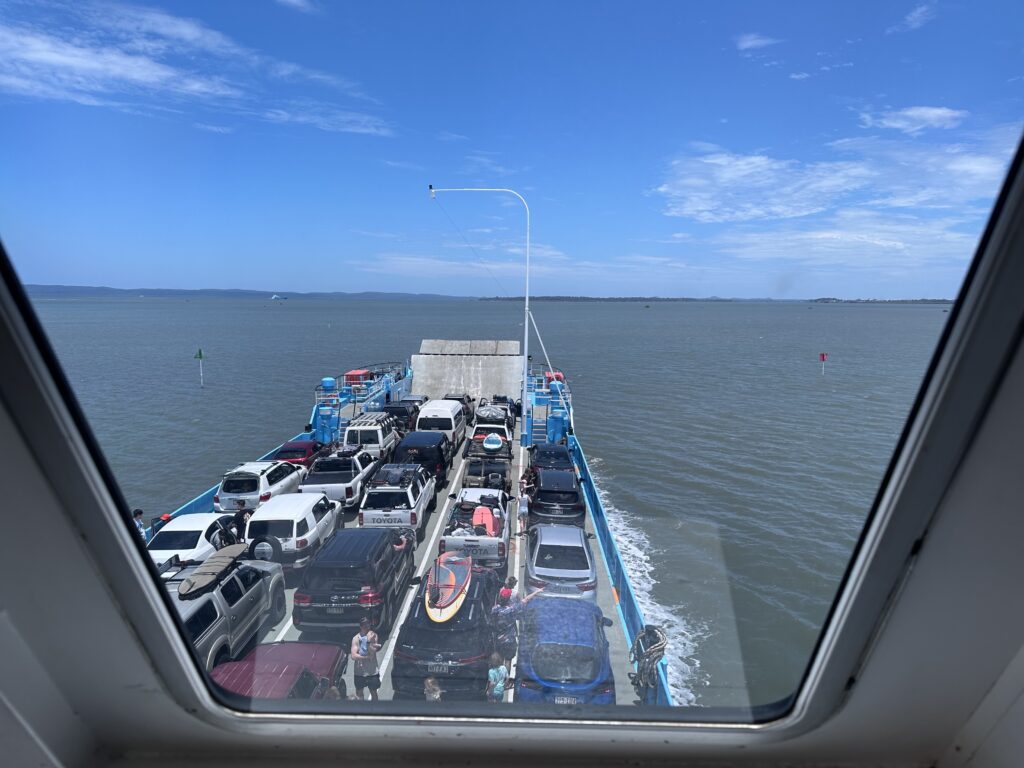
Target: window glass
{"points": [[340, 578], [249, 577], [201, 620], [562, 558], [753, 294], [301, 528], [232, 591]]}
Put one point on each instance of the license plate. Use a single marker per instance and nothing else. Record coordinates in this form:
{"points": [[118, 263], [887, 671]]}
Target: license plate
{"points": [[440, 669], [566, 700], [335, 609]]}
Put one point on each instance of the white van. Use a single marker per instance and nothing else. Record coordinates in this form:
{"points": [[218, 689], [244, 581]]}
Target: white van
{"points": [[443, 416]]}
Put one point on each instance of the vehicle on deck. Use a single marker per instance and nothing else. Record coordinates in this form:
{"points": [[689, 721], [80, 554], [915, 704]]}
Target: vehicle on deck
{"points": [[376, 432], [559, 560], [488, 462], [431, 450], [224, 601], [487, 413], [467, 401], [341, 477], [444, 416], [557, 498], [290, 529], [480, 431], [417, 400], [191, 538], [404, 413], [456, 651], [398, 496], [563, 654], [303, 452], [360, 572], [255, 482], [551, 456], [285, 670], [479, 525]]}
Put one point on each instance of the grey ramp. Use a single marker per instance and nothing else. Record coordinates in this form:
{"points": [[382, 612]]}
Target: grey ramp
{"points": [[475, 347], [479, 375]]}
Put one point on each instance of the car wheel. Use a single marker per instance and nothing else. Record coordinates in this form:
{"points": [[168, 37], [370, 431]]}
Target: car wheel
{"points": [[279, 605], [420, 533], [433, 502]]}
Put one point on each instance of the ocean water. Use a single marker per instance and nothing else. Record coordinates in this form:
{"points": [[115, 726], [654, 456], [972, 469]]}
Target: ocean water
{"points": [[737, 476]]}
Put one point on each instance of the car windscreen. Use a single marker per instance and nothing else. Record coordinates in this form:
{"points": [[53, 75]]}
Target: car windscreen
{"points": [[558, 497], [175, 540], [281, 529], [415, 455], [387, 500], [339, 578], [565, 663], [562, 558], [471, 640], [240, 484], [433, 422]]}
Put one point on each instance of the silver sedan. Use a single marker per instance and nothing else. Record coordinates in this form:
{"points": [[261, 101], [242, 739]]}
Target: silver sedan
{"points": [[559, 559]]}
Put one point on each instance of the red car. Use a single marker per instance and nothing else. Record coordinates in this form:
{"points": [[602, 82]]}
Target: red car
{"points": [[286, 670], [303, 452]]}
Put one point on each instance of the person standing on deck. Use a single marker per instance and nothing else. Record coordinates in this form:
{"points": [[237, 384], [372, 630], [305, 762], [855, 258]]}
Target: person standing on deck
{"points": [[139, 525], [241, 519], [524, 512], [506, 612], [366, 674]]}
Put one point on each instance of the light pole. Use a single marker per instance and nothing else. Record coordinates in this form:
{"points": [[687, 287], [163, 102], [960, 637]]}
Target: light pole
{"points": [[526, 308]]}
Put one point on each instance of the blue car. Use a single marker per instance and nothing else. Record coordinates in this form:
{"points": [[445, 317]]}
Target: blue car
{"points": [[563, 653]]}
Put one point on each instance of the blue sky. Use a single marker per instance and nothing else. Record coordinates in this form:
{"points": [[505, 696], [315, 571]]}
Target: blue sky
{"points": [[675, 149]]}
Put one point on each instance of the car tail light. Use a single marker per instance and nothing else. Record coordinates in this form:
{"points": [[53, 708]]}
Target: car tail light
{"points": [[472, 659], [216, 499], [360, 519], [533, 685], [440, 469], [412, 518], [440, 547], [501, 549], [607, 688], [536, 582], [301, 543], [348, 492], [586, 586], [301, 598], [265, 496], [403, 655], [369, 598]]}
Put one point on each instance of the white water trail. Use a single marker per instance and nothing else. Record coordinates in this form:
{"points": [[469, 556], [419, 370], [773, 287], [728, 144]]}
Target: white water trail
{"points": [[683, 639]]}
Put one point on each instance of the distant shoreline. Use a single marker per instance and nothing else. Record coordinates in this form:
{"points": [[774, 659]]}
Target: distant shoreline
{"points": [[38, 291]]}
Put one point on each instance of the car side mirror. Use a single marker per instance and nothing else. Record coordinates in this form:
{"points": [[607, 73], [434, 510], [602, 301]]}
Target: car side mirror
{"points": [[452, 496], [309, 428], [416, 580], [591, 535], [605, 621]]}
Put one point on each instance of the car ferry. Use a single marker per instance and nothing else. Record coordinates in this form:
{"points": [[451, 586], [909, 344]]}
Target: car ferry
{"points": [[628, 653]]}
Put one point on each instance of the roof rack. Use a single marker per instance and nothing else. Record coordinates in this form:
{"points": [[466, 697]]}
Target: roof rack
{"points": [[208, 574], [401, 475], [370, 417]]}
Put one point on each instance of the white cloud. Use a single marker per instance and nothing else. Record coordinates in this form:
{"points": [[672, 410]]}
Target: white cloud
{"points": [[481, 163], [722, 186], [304, 6], [450, 136], [916, 19], [327, 118], [222, 129], [752, 40], [404, 165], [798, 76], [913, 120]]}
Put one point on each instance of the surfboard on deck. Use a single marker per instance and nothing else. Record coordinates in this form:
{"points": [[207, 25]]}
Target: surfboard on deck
{"points": [[447, 583]]}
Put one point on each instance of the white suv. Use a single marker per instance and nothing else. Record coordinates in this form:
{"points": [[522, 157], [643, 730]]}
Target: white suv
{"points": [[290, 529], [255, 482], [398, 496]]}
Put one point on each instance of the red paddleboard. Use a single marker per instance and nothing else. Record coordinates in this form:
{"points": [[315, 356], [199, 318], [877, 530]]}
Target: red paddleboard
{"points": [[447, 582]]}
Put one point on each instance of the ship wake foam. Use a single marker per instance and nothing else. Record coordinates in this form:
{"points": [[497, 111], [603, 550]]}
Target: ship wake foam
{"points": [[683, 638]]}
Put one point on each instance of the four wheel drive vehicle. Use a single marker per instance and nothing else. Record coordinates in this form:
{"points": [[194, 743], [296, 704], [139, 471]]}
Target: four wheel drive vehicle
{"points": [[557, 499], [303, 452], [290, 529], [559, 560], [563, 654], [467, 404], [489, 462], [431, 450], [285, 670], [457, 652], [255, 482], [376, 432], [494, 414], [482, 430], [479, 525], [189, 537], [551, 456], [417, 400], [360, 572], [398, 496], [341, 477], [404, 413], [225, 600]]}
